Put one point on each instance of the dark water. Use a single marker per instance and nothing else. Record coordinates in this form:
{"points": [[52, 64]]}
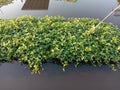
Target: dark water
{"points": [[80, 8], [14, 76]]}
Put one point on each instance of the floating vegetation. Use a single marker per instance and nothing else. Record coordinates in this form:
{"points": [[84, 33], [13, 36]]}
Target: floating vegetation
{"points": [[36, 41]]}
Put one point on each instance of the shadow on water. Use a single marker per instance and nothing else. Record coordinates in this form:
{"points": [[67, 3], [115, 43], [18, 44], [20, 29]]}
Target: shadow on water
{"points": [[36, 5], [15, 76]]}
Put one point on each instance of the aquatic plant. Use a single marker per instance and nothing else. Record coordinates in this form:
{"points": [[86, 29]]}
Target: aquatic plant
{"points": [[37, 40]]}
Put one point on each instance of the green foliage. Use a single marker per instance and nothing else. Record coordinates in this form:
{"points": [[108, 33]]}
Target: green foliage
{"points": [[5, 2], [34, 41]]}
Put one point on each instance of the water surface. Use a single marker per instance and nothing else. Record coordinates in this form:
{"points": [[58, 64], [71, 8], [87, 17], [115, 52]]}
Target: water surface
{"points": [[13, 76], [80, 8]]}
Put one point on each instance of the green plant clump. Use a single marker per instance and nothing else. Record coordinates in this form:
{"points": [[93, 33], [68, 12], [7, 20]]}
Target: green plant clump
{"points": [[35, 40]]}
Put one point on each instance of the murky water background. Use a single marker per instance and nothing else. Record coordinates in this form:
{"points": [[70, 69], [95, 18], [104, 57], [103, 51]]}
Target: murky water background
{"points": [[14, 76]]}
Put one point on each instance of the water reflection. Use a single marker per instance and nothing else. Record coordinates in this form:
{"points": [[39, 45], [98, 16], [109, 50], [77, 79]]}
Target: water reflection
{"points": [[118, 1], [66, 8], [1, 11], [117, 12], [5, 2], [35, 5], [71, 0], [21, 0], [68, 0], [39, 4], [14, 76]]}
